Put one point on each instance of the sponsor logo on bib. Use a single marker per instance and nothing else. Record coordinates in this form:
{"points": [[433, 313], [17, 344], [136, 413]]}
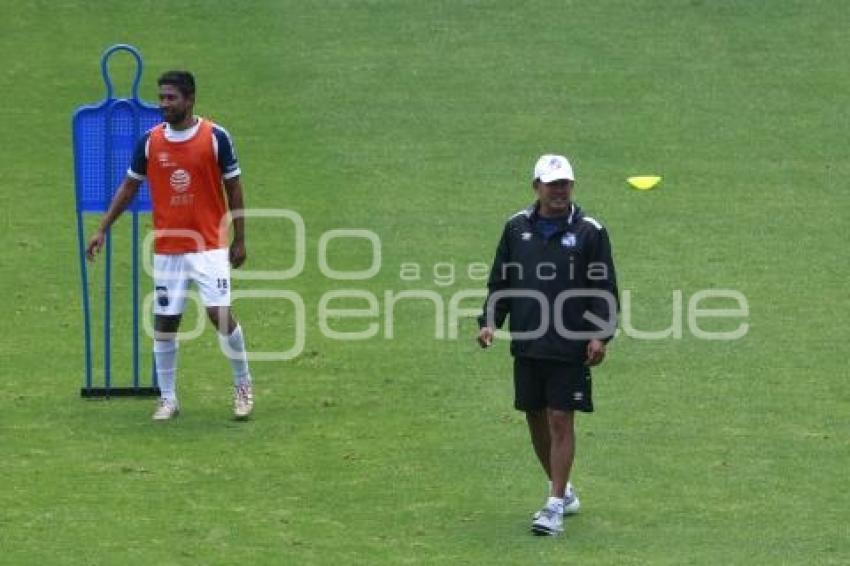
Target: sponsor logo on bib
{"points": [[180, 180]]}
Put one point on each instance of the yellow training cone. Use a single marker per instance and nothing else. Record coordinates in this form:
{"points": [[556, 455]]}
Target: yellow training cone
{"points": [[644, 182]]}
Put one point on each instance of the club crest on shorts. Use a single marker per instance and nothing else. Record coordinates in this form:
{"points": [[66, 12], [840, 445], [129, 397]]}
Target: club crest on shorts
{"points": [[568, 240], [162, 296]]}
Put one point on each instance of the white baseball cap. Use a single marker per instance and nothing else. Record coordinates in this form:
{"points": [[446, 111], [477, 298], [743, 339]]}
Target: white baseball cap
{"points": [[553, 168]]}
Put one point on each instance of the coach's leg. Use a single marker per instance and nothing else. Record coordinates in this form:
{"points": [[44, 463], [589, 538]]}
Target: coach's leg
{"points": [[538, 426], [165, 353], [562, 451], [232, 343], [530, 397]]}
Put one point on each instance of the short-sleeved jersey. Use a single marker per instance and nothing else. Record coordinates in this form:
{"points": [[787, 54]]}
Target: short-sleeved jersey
{"points": [[185, 169]]}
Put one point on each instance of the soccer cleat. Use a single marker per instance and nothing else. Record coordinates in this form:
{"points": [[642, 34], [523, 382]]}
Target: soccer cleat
{"points": [[166, 410], [243, 401], [549, 521]]}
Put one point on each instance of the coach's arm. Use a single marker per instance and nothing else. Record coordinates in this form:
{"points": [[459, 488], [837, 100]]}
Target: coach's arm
{"points": [[601, 307], [233, 188], [122, 199], [495, 312]]}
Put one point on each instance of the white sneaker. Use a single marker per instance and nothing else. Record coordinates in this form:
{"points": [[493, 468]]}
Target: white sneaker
{"points": [[166, 410], [571, 502], [243, 401], [549, 521]]}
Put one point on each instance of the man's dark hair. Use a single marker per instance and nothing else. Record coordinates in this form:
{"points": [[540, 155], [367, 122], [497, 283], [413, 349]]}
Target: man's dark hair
{"points": [[181, 80]]}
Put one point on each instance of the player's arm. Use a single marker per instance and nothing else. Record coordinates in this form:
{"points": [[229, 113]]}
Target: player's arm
{"points": [[122, 199], [230, 175], [123, 196], [233, 189]]}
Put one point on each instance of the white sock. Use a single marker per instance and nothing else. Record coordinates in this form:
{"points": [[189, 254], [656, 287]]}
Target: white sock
{"points": [[233, 347], [165, 354]]}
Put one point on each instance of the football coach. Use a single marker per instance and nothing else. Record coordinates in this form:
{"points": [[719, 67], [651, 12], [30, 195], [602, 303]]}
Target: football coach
{"points": [[553, 276]]}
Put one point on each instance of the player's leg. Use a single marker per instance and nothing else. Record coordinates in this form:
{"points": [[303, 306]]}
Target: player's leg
{"points": [[232, 343], [222, 319], [165, 356], [211, 271], [170, 283]]}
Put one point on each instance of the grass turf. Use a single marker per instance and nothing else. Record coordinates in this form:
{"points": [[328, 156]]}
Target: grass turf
{"points": [[420, 121]]}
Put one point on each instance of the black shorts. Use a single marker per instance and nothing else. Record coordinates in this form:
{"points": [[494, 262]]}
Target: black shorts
{"points": [[553, 384]]}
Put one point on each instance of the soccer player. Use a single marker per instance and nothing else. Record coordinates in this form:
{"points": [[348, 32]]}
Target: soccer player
{"points": [[191, 167], [554, 275]]}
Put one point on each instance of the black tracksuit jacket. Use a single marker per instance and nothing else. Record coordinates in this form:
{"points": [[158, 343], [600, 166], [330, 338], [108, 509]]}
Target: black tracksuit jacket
{"points": [[577, 258]]}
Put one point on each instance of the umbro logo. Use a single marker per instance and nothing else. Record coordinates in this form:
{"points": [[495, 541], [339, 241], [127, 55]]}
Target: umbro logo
{"points": [[526, 236]]}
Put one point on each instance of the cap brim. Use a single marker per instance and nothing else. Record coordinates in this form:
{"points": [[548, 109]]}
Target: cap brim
{"points": [[555, 177]]}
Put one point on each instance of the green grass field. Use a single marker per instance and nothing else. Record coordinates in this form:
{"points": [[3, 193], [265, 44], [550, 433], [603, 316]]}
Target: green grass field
{"points": [[420, 121]]}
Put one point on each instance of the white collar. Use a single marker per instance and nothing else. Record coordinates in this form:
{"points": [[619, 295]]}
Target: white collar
{"points": [[173, 135]]}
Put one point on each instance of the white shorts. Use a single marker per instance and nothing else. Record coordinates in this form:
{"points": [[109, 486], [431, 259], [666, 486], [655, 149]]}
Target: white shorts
{"points": [[210, 270]]}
